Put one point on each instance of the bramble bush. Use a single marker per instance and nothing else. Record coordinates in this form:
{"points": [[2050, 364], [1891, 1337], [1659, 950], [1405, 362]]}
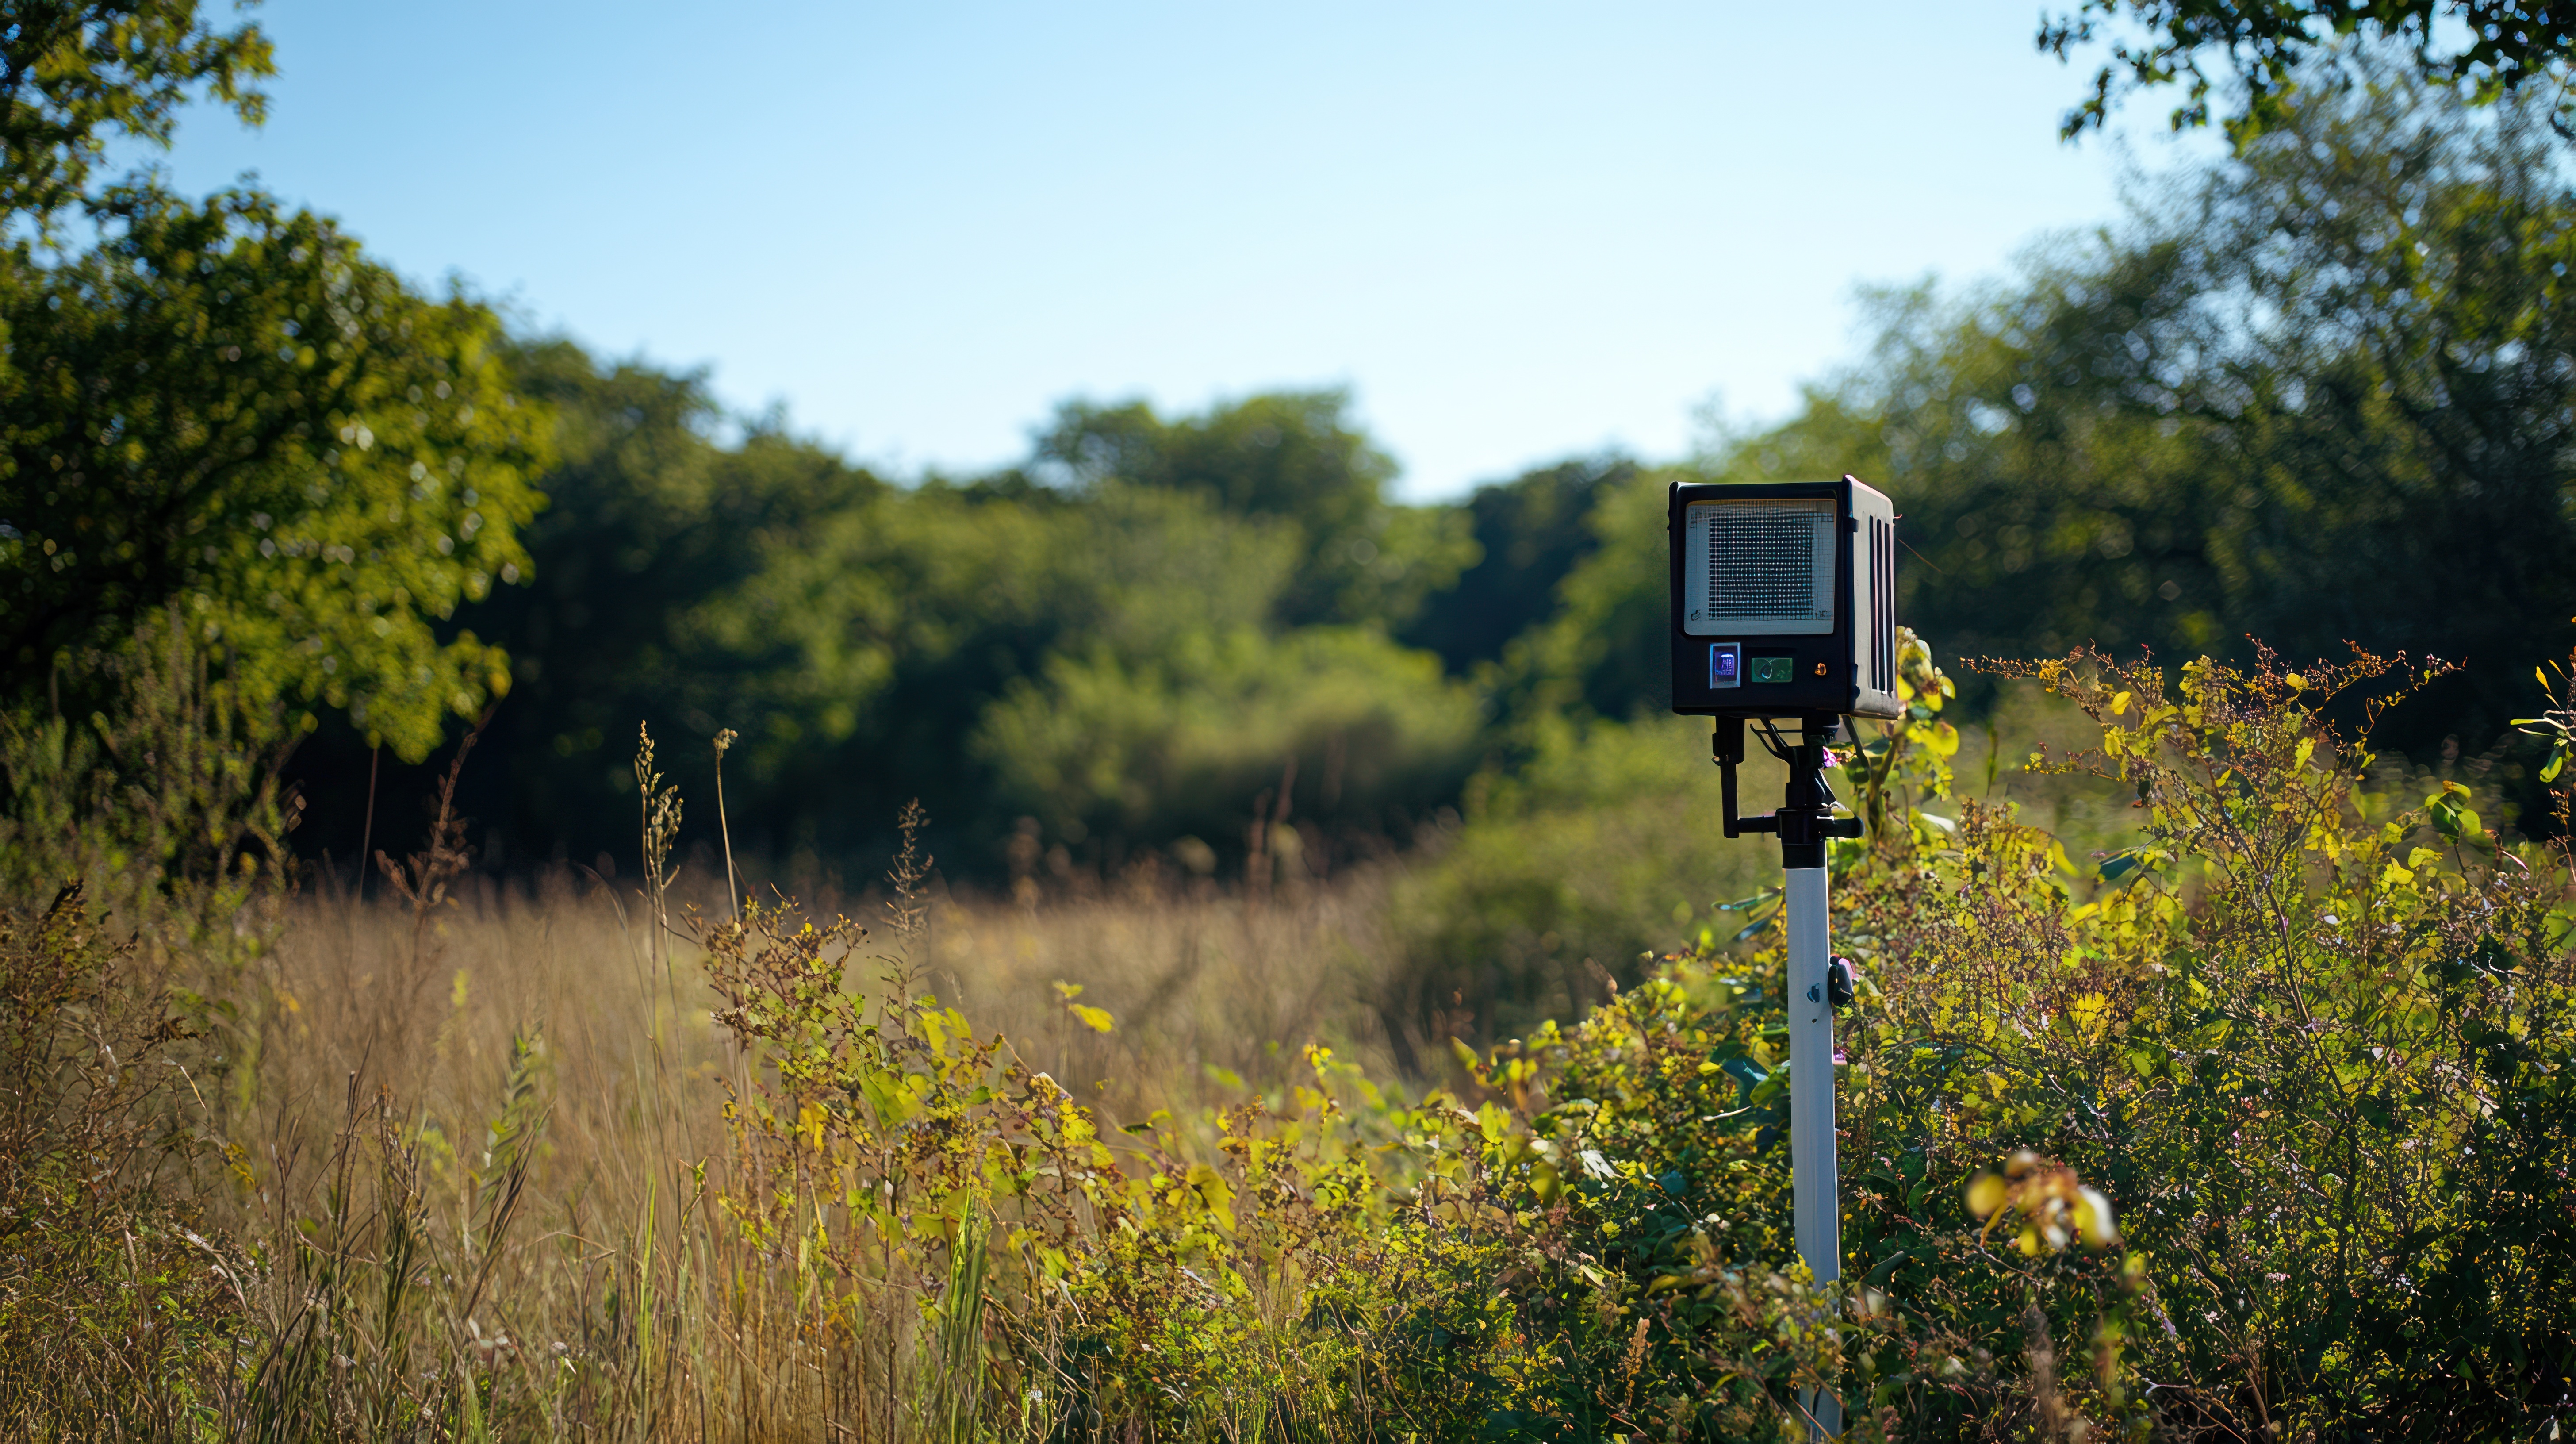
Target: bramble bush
{"points": [[2291, 1068], [2311, 1043]]}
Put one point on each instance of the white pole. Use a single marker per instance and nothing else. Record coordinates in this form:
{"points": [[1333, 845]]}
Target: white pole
{"points": [[1818, 1205]]}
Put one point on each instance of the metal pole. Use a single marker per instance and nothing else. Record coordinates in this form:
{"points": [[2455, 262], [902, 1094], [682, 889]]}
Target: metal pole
{"points": [[1818, 1205], [1803, 824]]}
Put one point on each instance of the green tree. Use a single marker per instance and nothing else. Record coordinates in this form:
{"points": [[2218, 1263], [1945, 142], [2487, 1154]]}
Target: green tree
{"points": [[874, 641], [648, 521], [1116, 652], [2270, 49], [1364, 734], [224, 407], [2321, 391], [1602, 652], [1294, 456], [74, 75], [2325, 396], [1529, 533], [230, 409], [996, 648]]}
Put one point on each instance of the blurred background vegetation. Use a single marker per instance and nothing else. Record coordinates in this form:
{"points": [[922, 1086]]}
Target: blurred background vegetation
{"points": [[2319, 392]]}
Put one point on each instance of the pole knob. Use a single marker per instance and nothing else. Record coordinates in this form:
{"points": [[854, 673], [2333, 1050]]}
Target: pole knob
{"points": [[1838, 985]]}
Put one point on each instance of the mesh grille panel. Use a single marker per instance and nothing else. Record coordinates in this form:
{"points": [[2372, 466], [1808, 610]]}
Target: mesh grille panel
{"points": [[1762, 559]]}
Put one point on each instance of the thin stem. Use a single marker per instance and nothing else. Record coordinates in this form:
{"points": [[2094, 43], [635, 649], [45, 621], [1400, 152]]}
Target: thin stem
{"points": [[367, 830], [724, 829]]}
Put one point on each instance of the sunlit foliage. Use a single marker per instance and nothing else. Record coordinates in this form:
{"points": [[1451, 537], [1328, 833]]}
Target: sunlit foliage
{"points": [[225, 407], [2269, 51], [229, 408]]}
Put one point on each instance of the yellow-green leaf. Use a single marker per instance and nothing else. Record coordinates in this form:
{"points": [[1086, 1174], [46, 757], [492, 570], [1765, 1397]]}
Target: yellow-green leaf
{"points": [[2093, 1218]]}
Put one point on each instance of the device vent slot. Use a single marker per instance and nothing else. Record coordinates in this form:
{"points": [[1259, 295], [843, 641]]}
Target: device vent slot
{"points": [[1882, 602]]}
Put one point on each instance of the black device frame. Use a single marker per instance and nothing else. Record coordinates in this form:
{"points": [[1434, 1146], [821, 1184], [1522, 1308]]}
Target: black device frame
{"points": [[1823, 667], [1822, 689]]}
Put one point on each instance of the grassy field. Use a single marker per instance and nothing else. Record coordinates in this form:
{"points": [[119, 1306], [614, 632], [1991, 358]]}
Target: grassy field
{"points": [[524, 1083], [1164, 1155]]}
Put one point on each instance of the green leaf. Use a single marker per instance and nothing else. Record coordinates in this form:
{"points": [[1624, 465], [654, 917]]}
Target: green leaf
{"points": [[885, 1092], [1747, 1073]]}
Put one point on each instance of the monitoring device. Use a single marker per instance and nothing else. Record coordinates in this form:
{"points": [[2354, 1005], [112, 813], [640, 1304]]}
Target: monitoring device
{"points": [[1784, 610], [1784, 599]]}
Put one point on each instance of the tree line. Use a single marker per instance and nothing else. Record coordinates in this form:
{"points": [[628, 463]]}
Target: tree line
{"points": [[2321, 391]]}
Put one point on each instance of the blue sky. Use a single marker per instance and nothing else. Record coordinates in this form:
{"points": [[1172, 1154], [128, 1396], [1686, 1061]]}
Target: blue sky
{"points": [[1516, 232]]}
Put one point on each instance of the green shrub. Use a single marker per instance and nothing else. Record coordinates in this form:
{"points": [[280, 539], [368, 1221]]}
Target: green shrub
{"points": [[2314, 1049], [2304, 1054]]}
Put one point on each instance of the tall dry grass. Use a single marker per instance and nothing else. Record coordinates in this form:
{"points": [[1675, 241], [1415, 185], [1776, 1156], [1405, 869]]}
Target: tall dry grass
{"points": [[1204, 986], [490, 1138]]}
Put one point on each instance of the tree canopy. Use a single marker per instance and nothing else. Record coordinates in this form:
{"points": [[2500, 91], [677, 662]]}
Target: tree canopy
{"points": [[2319, 393], [1126, 649], [77, 74], [225, 410], [1294, 456], [2267, 50]]}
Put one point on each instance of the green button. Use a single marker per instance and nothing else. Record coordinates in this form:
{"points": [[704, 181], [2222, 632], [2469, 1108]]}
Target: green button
{"points": [[1773, 669]]}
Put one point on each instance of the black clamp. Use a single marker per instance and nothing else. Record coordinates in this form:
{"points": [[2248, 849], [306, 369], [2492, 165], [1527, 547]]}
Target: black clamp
{"points": [[1805, 818]]}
